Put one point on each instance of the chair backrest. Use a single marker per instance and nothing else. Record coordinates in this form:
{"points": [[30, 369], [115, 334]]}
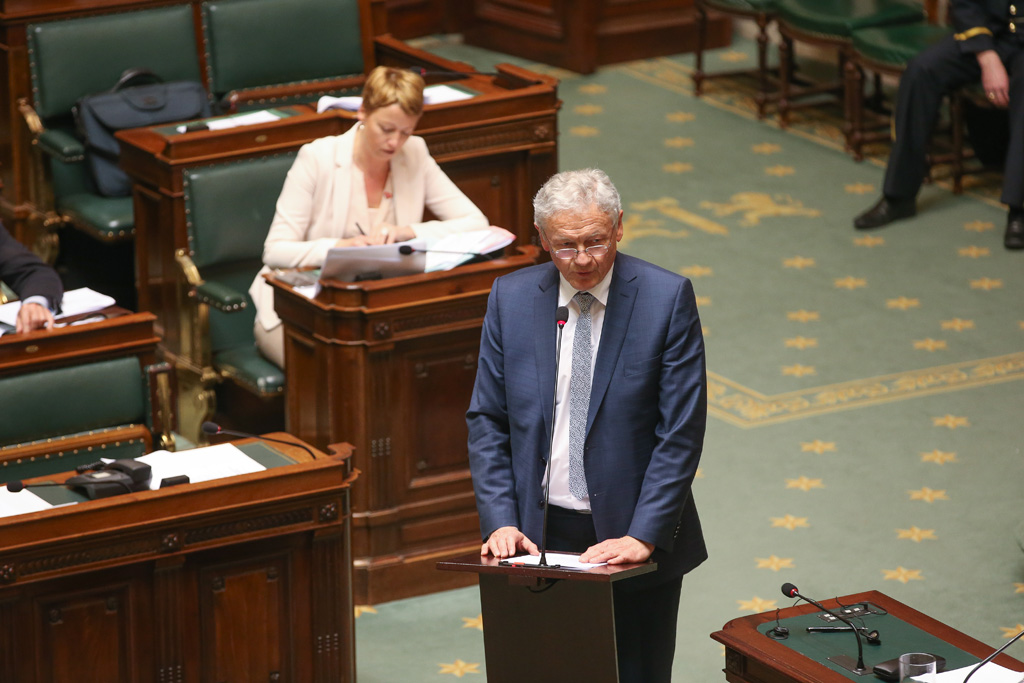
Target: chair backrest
{"points": [[229, 208], [254, 43], [70, 58]]}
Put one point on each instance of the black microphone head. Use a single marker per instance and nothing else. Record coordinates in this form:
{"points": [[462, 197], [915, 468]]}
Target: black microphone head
{"points": [[210, 427], [405, 250], [561, 315], [789, 590], [15, 486]]}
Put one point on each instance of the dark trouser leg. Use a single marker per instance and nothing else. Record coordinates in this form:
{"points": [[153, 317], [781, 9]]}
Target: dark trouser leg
{"points": [[927, 79], [645, 631], [1013, 171]]}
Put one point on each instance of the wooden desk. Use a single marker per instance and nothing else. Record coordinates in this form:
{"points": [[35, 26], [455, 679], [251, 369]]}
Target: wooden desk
{"points": [[391, 364], [752, 657], [498, 147], [242, 579]]}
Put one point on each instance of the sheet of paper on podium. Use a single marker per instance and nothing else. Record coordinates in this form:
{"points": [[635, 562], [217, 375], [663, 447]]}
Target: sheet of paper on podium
{"points": [[200, 464], [466, 245], [432, 94], [20, 503], [75, 302], [990, 673], [564, 560]]}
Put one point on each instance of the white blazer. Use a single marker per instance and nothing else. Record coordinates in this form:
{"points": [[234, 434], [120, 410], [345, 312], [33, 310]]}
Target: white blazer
{"points": [[313, 207]]}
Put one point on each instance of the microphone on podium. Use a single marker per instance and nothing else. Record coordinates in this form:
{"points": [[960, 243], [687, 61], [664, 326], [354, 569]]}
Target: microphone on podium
{"points": [[561, 317], [790, 591], [213, 428], [407, 250]]}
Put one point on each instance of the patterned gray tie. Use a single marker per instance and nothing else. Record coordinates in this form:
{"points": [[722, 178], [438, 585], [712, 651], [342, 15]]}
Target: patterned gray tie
{"points": [[579, 395]]}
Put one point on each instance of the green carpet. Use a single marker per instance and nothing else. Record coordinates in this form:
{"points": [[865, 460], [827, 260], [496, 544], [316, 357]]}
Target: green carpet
{"points": [[865, 394]]}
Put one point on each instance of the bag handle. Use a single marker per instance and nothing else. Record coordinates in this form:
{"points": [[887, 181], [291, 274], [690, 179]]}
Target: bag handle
{"points": [[136, 74]]}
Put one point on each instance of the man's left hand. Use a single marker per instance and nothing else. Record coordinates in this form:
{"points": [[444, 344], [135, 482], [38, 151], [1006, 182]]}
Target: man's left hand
{"points": [[625, 550], [33, 317]]}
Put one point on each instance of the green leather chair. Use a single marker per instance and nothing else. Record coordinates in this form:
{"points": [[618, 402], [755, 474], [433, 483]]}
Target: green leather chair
{"points": [[262, 53], [229, 207], [70, 58], [59, 418], [830, 24], [762, 12]]}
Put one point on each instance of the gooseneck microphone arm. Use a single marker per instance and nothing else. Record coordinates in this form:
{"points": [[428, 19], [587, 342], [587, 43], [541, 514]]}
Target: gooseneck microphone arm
{"points": [[561, 315], [214, 428], [993, 655], [790, 591]]}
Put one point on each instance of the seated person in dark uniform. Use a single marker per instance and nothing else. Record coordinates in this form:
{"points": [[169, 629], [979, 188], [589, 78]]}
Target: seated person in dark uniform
{"points": [[36, 284], [988, 47]]}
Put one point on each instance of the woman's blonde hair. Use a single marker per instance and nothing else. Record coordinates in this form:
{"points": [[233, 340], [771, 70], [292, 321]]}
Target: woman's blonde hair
{"points": [[387, 85]]}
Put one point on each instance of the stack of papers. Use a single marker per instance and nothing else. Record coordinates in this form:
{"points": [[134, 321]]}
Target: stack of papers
{"points": [[75, 302], [467, 245], [236, 120], [432, 94]]}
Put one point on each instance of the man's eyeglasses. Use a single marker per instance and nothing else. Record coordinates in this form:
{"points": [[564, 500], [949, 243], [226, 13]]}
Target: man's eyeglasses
{"points": [[594, 251]]}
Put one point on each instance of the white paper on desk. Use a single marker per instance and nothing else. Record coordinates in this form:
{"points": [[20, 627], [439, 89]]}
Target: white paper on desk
{"points": [[247, 119], [387, 260], [200, 464], [75, 301], [350, 103], [432, 94], [469, 243], [20, 503], [990, 673], [566, 561]]}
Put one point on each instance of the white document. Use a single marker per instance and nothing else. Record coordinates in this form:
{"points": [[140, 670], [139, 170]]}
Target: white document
{"points": [[468, 244], [432, 94], [75, 301], [386, 260], [238, 120], [20, 503], [990, 673], [350, 103], [200, 464], [566, 561]]}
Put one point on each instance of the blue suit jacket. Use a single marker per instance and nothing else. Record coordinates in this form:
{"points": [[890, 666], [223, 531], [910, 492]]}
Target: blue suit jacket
{"points": [[648, 409], [26, 273]]}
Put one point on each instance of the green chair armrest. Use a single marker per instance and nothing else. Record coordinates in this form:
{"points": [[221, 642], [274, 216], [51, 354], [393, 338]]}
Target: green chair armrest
{"points": [[221, 297], [61, 145]]}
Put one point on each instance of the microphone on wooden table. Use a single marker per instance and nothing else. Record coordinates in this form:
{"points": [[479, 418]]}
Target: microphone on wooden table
{"points": [[213, 428], [790, 591]]}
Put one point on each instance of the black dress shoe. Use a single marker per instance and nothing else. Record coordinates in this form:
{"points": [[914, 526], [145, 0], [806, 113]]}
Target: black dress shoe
{"points": [[884, 212], [1014, 237]]}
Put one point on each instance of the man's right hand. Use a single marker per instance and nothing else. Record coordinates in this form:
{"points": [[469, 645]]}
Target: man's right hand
{"points": [[506, 542]]}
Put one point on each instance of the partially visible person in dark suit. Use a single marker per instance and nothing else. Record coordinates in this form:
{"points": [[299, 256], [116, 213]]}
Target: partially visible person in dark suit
{"points": [[36, 284], [631, 397], [988, 47]]}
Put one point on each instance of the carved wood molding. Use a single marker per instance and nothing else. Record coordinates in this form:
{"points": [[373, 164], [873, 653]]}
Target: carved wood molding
{"points": [[489, 138]]}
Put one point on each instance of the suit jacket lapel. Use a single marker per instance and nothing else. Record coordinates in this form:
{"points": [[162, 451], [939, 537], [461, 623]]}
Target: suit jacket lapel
{"points": [[545, 336], [621, 296]]}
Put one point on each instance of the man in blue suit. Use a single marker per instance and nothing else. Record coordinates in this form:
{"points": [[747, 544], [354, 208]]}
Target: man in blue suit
{"points": [[631, 406], [36, 283]]}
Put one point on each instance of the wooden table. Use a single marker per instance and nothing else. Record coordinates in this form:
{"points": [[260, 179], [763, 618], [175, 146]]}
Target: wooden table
{"points": [[753, 657], [244, 579], [390, 364]]}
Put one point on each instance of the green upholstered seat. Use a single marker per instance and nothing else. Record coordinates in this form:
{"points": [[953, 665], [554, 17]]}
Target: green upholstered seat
{"points": [[841, 18], [896, 45], [230, 207], [743, 5], [251, 44]]}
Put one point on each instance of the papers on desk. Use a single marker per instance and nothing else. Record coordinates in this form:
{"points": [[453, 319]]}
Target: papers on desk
{"points": [[351, 264], [200, 464], [990, 673], [432, 94], [75, 302], [564, 560], [468, 244], [247, 119], [20, 503]]}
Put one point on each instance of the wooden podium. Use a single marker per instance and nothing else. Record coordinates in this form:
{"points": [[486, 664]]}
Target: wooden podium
{"points": [[547, 625], [390, 365], [244, 578]]}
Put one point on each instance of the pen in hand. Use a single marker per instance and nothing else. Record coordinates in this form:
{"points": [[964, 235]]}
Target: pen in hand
{"points": [[360, 229]]}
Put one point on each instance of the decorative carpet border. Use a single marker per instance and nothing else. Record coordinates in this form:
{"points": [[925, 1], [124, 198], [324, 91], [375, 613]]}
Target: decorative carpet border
{"points": [[744, 407]]}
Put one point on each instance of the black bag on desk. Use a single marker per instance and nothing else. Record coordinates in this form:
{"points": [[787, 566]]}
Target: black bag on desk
{"points": [[124, 106]]}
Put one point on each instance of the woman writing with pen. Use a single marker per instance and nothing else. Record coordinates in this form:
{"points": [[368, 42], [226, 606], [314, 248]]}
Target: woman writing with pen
{"points": [[368, 186]]}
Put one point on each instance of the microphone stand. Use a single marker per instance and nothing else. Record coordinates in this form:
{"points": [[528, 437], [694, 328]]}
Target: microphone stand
{"points": [[551, 445], [790, 591], [993, 655]]}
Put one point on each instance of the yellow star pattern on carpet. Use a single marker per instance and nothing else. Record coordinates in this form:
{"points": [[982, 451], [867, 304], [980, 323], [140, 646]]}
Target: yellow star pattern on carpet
{"points": [[973, 251], [850, 282], [928, 495], [678, 142], [803, 316], [817, 446], [696, 271], [801, 343], [929, 344], [459, 668], [766, 148], [588, 109], [869, 241], [951, 421], [798, 262], [804, 484], [859, 188], [979, 226], [360, 610], [957, 324], [798, 370], [680, 117], [1019, 587], [584, 131], [476, 622], [790, 522], [780, 171], [774, 563], [987, 283], [902, 303], [915, 534], [677, 167], [735, 56], [938, 457], [593, 89], [902, 575], [1012, 631], [756, 604], [703, 301]]}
